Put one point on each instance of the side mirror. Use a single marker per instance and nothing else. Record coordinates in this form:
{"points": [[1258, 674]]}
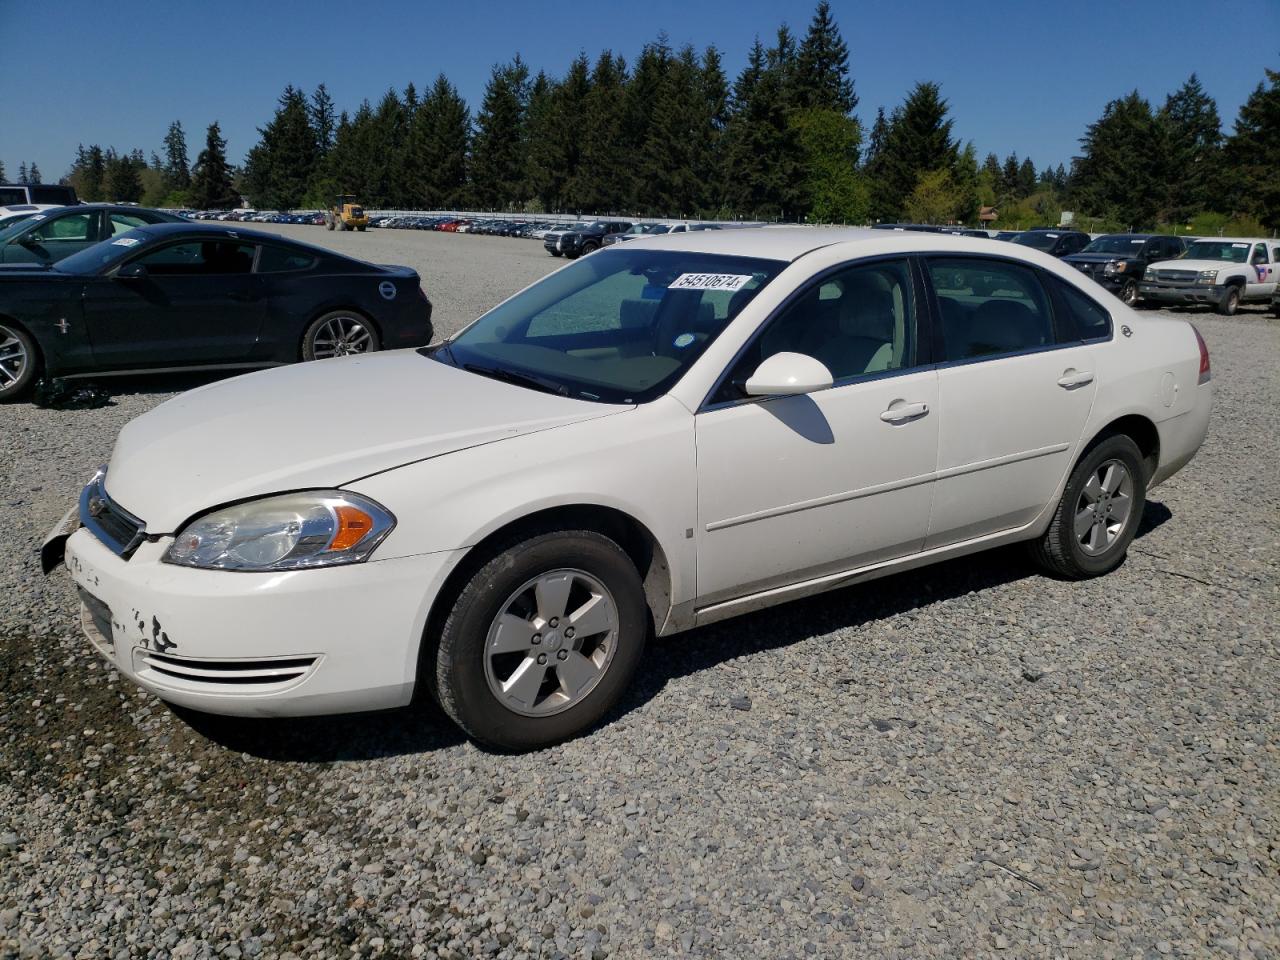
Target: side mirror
{"points": [[132, 271], [788, 374], [29, 240]]}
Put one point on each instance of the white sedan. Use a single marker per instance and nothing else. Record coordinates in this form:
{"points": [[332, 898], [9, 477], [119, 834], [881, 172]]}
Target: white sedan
{"points": [[671, 432]]}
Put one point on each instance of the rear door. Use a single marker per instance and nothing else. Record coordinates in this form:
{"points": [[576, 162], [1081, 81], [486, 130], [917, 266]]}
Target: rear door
{"points": [[1262, 273], [1014, 392], [198, 303]]}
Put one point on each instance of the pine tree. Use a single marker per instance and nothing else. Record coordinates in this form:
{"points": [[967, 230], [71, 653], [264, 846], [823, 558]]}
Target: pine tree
{"points": [[757, 138], [714, 104], [569, 101], [918, 142], [177, 168], [437, 150], [1251, 153], [1009, 191], [1116, 174], [211, 183], [991, 167], [93, 175], [124, 185], [323, 124], [1191, 148], [22, 172], [669, 153], [1026, 178], [497, 166], [544, 153], [600, 181], [279, 169], [640, 99], [966, 181], [2, 174], [33, 173], [822, 66]]}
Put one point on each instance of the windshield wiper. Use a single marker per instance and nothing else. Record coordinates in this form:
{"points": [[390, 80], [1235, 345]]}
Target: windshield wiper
{"points": [[519, 379]]}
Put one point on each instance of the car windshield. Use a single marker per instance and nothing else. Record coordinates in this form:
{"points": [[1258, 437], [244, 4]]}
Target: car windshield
{"points": [[655, 228], [9, 226], [1038, 239], [1116, 244], [1228, 251], [620, 326], [102, 255]]}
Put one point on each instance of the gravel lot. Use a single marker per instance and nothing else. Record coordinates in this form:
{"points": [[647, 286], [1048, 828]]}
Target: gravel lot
{"points": [[960, 762]]}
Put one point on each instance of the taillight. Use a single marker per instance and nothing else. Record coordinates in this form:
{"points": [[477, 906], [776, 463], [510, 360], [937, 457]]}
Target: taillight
{"points": [[1204, 356]]}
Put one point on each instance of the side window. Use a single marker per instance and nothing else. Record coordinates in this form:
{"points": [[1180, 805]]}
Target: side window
{"points": [[989, 307], [200, 258], [859, 321], [76, 226], [282, 260], [1092, 321], [1259, 253], [124, 222]]}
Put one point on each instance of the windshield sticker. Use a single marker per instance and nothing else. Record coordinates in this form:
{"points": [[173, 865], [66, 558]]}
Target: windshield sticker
{"points": [[1137, 241], [710, 281], [1238, 245], [125, 241], [683, 340], [38, 216]]}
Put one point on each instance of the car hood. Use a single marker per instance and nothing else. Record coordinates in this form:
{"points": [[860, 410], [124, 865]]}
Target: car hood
{"points": [[1192, 265], [316, 425], [1096, 257]]}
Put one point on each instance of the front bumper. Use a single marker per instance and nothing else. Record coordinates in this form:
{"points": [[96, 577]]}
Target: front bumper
{"points": [[293, 643], [1165, 293]]}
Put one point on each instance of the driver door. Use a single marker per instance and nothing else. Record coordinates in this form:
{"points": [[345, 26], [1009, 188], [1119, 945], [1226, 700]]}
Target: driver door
{"points": [[797, 487], [197, 303]]}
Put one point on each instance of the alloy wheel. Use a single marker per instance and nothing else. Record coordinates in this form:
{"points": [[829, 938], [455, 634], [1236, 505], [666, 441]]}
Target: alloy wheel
{"points": [[13, 358], [1103, 508], [551, 643], [340, 337]]}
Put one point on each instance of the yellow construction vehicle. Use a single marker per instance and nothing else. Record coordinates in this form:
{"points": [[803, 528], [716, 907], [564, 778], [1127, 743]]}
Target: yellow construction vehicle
{"points": [[346, 214]]}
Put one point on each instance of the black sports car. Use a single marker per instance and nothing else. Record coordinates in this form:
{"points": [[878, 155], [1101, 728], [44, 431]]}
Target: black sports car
{"points": [[183, 296], [47, 236]]}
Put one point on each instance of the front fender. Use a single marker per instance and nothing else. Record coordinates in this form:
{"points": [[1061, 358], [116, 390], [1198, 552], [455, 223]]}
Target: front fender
{"points": [[641, 463]]}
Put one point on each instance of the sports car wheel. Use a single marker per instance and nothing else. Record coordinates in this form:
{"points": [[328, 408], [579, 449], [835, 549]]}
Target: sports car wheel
{"points": [[338, 334], [17, 362], [1098, 514], [542, 641]]}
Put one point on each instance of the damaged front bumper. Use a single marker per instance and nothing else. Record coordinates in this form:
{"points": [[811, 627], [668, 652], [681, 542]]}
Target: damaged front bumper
{"points": [[291, 643]]}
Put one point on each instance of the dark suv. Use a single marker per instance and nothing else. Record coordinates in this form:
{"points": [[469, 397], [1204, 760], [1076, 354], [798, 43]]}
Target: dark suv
{"points": [[582, 240], [1056, 243], [1118, 260], [11, 193]]}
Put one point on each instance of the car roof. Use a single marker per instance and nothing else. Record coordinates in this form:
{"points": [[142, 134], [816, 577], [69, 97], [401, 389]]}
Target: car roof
{"points": [[792, 242]]}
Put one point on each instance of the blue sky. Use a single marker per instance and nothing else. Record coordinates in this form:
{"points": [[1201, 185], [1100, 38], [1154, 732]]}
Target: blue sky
{"points": [[1025, 75]]}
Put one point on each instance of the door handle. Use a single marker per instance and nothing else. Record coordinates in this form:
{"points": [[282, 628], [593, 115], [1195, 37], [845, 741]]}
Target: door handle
{"points": [[907, 411], [1071, 378]]}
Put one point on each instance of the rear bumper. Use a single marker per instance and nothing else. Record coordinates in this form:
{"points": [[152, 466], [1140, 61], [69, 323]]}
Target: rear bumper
{"points": [[1188, 294]]}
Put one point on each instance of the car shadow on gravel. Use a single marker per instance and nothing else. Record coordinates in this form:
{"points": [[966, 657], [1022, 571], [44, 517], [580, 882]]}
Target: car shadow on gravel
{"points": [[847, 608], [423, 727]]}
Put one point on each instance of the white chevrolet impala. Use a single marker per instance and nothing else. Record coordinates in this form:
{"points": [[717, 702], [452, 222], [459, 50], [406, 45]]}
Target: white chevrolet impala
{"points": [[658, 436]]}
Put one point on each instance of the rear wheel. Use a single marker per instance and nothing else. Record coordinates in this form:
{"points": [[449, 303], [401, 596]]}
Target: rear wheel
{"points": [[542, 641], [340, 333], [1098, 514], [18, 362], [1230, 302]]}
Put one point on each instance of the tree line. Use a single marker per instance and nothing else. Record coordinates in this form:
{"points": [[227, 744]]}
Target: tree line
{"points": [[671, 135]]}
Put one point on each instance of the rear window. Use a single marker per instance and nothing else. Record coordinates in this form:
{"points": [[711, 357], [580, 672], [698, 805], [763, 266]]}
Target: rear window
{"points": [[1091, 320], [41, 193]]}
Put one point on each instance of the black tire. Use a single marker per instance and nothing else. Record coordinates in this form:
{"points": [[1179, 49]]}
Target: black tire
{"points": [[571, 255], [1059, 550], [1230, 302], [19, 362], [361, 229], [1129, 293], [309, 338], [555, 253], [590, 247], [461, 685]]}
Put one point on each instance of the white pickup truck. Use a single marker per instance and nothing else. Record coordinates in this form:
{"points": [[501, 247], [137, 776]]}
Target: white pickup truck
{"points": [[1223, 271]]}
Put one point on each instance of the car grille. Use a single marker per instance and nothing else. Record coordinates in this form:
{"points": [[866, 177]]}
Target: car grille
{"points": [[116, 527], [1090, 269], [1176, 276], [187, 671]]}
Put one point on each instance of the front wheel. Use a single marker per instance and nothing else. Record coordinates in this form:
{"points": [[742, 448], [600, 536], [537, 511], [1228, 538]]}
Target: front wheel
{"points": [[555, 253], [17, 362], [542, 641], [1098, 514], [1230, 302], [340, 333], [1129, 292], [589, 248]]}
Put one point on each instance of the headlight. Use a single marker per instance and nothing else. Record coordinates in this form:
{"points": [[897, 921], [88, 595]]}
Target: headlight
{"points": [[320, 528], [1115, 266], [1208, 278], [1149, 276]]}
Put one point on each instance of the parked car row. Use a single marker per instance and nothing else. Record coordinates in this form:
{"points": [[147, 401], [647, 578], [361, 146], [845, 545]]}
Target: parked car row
{"points": [[256, 216]]}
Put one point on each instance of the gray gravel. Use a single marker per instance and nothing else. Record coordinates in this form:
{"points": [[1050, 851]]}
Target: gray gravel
{"points": [[965, 761]]}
